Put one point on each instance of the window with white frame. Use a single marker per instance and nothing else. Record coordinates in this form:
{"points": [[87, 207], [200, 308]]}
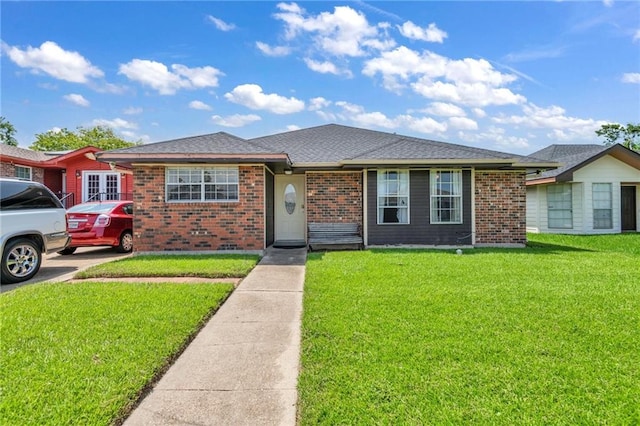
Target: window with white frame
{"points": [[393, 196], [23, 172], [602, 206], [446, 196], [559, 206], [202, 184]]}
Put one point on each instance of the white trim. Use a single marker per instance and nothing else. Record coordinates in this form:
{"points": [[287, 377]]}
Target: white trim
{"points": [[202, 184], [102, 181], [15, 171], [408, 196], [431, 196]]}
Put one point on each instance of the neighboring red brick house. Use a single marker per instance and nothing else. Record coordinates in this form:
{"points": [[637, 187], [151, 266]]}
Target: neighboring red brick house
{"points": [[221, 192], [75, 176]]}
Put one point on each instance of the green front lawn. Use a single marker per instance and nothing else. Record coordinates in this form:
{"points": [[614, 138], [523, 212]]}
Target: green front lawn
{"points": [[549, 334], [82, 353], [206, 266]]}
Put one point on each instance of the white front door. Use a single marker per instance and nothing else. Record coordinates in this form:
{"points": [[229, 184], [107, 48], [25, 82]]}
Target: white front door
{"points": [[100, 186], [289, 208]]}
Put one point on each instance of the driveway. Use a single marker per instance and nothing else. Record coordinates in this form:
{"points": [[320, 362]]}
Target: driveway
{"points": [[56, 267]]}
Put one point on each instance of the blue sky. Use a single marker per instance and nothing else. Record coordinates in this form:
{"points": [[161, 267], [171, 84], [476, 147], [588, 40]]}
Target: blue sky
{"points": [[510, 76]]}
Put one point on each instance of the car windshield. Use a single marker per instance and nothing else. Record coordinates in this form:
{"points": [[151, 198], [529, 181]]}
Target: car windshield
{"points": [[92, 208]]}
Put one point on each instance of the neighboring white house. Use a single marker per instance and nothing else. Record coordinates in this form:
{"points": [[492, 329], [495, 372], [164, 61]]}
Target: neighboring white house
{"points": [[594, 191]]}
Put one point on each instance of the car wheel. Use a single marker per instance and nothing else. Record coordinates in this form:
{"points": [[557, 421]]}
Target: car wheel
{"points": [[68, 250], [21, 260], [126, 242]]}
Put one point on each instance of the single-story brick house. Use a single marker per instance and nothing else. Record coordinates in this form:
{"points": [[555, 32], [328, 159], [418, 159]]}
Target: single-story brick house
{"points": [[594, 191], [222, 192]]}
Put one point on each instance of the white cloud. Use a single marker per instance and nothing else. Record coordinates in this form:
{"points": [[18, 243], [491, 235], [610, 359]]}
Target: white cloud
{"points": [[462, 123], [553, 118], [157, 76], [134, 136], [431, 33], [425, 125], [116, 123], [292, 127], [497, 137], [220, 24], [470, 94], [104, 87], [318, 103], [236, 120], [77, 99], [132, 111], [325, 67], [631, 77], [358, 115], [51, 59], [273, 51], [470, 82], [342, 33], [636, 36], [199, 105], [479, 112], [444, 110], [251, 96], [607, 3]]}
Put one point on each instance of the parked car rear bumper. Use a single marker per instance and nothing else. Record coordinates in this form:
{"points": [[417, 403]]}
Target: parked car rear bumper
{"points": [[57, 241]]}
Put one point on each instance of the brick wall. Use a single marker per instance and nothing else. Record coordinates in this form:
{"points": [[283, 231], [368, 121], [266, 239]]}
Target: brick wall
{"points": [[162, 226], [334, 197], [8, 170], [500, 202]]}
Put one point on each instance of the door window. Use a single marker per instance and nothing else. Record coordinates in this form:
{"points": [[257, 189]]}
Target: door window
{"points": [[290, 198]]}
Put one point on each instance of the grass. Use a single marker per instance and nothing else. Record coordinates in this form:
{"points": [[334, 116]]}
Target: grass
{"points": [[206, 266], [83, 353], [549, 334]]}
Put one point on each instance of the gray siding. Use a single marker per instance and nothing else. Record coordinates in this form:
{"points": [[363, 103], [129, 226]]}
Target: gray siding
{"points": [[419, 231]]}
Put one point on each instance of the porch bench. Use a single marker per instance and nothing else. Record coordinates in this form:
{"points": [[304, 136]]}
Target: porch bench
{"points": [[336, 236]]}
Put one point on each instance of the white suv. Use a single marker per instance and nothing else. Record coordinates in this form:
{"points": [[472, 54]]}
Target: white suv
{"points": [[32, 222]]}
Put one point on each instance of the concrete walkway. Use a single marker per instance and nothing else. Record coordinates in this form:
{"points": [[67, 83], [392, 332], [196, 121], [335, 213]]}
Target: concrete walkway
{"points": [[242, 368]]}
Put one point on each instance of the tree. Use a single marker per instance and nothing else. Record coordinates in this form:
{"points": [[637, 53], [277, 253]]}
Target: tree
{"points": [[7, 132], [612, 133], [63, 140]]}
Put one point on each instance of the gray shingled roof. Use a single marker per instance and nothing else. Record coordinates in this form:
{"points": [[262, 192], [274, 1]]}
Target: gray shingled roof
{"points": [[333, 143], [27, 154], [569, 156], [218, 143], [327, 145]]}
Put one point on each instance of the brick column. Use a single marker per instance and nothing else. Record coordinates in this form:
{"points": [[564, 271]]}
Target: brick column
{"points": [[500, 204]]}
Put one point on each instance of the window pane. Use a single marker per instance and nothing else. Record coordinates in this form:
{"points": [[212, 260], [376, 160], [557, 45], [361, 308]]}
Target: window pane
{"points": [[202, 184], [446, 196], [602, 212], [23, 172], [393, 196], [559, 206]]}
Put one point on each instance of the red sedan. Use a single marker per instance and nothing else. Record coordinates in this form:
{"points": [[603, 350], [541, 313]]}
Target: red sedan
{"points": [[104, 223]]}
